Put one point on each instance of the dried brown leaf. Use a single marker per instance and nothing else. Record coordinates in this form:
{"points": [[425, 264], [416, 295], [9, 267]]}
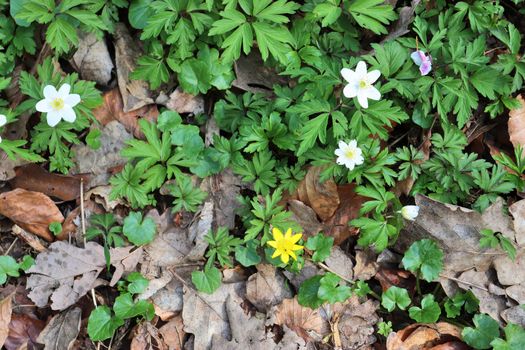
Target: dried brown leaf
{"points": [[23, 331], [267, 287], [92, 59], [173, 333], [419, 336], [337, 226], [322, 197], [300, 319], [147, 337], [516, 124], [33, 211], [5, 317], [183, 102], [62, 330]]}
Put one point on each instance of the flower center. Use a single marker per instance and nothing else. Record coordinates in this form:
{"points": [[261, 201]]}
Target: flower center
{"points": [[57, 104], [363, 83], [350, 154]]}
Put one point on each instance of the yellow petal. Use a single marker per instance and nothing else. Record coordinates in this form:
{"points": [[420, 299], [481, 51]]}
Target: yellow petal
{"points": [[277, 234], [296, 237], [272, 244], [297, 247], [285, 258], [292, 254], [288, 234], [276, 254]]}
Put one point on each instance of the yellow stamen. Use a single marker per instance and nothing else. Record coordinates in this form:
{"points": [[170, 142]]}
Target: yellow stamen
{"points": [[57, 104], [363, 83], [350, 154]]}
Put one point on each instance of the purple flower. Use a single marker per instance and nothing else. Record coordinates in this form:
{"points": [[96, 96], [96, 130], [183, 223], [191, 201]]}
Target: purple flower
{"points": [[424, 62]]}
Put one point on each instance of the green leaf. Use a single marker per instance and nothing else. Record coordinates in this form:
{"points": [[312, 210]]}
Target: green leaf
{"points": [[55, 228], [487, 81], [151, 69], [308, 293], [138, 231], [138, 283], [26, 263], [207, 281], [485, 331], [384, 328], [428, 312], [426, 257], [101, 325], [194, 76], [187, 196], [395, 296], [331, 291], [321, 246], [329, 12], [372, 14], [125, 307], [93, 139], [514, 338], [8, 267], [247, 255], [311, 131], [61, 35], [139, 13]]}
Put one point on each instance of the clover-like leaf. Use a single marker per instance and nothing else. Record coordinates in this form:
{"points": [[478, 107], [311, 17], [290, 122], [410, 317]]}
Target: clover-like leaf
{"points": [[321, 246], [514, 338], [308, 292], [424, 257], [138, 283], [428, 312], [139, 231], [207, 281], [8, 266], [395, 296], [331, 291], [485, 331], [101, 324]]}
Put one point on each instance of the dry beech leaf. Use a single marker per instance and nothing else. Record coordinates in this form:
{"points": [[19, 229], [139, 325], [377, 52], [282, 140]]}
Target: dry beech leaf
{"points": [[267, 287], [182, 102], [92, 59], [516, 124], [420, 336], [62, 330], [322, 197], [67, 273], [23, 331], [252, 75], [32, 211], [147, 337], [5, 317], [337, 226], [172, 333], [300, 319], [112, 109], [33, 177]]}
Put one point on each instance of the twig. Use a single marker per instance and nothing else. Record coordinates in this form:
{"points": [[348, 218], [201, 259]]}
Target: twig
{"points": [[11, 246], [465, 282]]}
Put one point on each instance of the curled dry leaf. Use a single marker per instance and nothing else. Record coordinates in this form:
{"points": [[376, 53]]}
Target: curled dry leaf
{"points": [[5, 317], [182, 102], [62, 330], [516, 124], [33, 177], [395, 277], [302, 320], [365, 264], [322, 197], [112, 109], [252, 75], [67, 273], [23, 331], [33, 211], [267, 287], [92, 59], [172, 333], [435, 336], [337, 225]]}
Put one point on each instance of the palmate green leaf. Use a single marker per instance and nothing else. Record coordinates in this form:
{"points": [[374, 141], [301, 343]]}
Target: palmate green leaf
{"points": [[313, 129], [187, 196], [485, 331], [331, 291], [487, 81], [274, 40], [61, 35], [467, 299], [247, 255], [424, 257], [329, 11], [308, 290], [101, 324], [139, 13], [128, 184], [125, 307], [153, 70], [372, 14], [8, 267], [374, 232], [138, 231], [33, 10], [395, 296], [88, 18], [14, 150], [429, 311], [208, 280], [320, 245], [514, 338]]}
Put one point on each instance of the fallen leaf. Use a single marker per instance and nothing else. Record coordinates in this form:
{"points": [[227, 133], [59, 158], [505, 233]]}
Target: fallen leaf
{"points": [[340, 263], [5, 317], [254, 76], [8, 165], [365, 264], [100, 163], [62, 330], [172, 333], [67, 273], [515, 314], [406, 17], [182, 102], [305, 217], [267, 288], [516, 124], [33, 211], [205, 314], [419, 336], [388, 277], [33, 177], [224, 189], [113, 109], [348, 209], [92, 59], [322, 197], [296, 279], [518, 212], [198, 229], [135, 93], [23, 329], [302, 320], [147, 337]]}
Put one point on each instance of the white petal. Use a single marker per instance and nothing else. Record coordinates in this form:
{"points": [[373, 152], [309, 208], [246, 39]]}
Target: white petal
{"points": [[72, 100], [342, 144], [339, 152], [360, 70], [50, 92], [416, 57], [359, 160], [373, 76], [43, 106], [0, 139], [341, 160], [373, 94], [350, 165], [53, 118], [352, 144], [64, 91], [68, 114], [350, 90], [362, 98], [348, 74], [3, 120]]}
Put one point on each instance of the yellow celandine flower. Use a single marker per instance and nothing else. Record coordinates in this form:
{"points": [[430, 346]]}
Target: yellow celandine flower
{"points": [[285, 244]]}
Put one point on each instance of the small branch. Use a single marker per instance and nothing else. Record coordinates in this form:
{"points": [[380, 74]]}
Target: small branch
{"points": [[464, 282]]}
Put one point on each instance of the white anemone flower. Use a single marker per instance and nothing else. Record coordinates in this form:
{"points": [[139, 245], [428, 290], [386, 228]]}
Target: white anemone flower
{"points": [[58, 104], [349, 155], [3, 121], [360, 84], [410, 212]]}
